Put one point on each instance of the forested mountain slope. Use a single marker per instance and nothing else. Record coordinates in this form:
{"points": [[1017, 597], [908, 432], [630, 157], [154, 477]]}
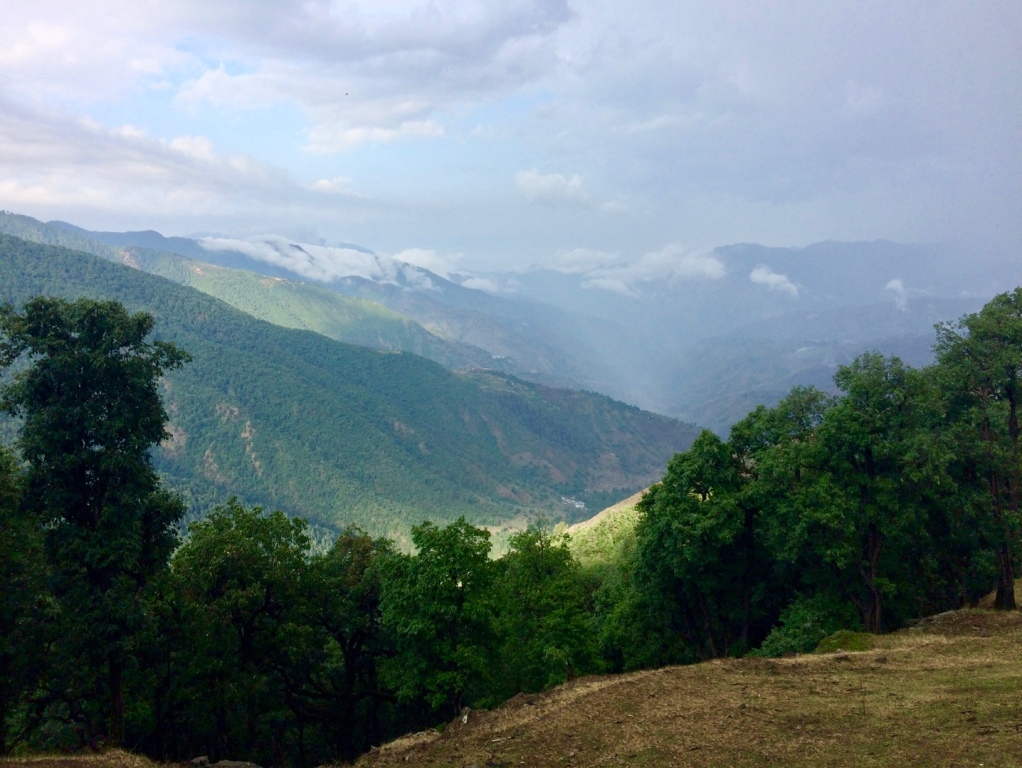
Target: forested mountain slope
{"points": [[342, 434], [278, 298]]}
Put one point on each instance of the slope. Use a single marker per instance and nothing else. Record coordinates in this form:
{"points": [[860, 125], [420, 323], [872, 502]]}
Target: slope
{"points": [[280, 300], [942, 693], [342, 434]]}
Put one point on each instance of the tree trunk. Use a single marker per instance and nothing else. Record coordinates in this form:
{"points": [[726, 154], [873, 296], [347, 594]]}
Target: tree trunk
{"points": [[1005, 598], [116, 668]]}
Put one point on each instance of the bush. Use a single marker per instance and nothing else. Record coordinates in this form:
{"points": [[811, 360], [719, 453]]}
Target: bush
{"points": [[846, 640], [803, 624]]}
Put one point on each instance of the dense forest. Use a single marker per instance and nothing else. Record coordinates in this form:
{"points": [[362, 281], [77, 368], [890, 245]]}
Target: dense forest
{"points": [[895, 498], [340, 434]]}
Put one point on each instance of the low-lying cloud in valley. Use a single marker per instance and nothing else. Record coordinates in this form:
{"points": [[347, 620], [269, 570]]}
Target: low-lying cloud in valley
{"points": [[763, 275]]}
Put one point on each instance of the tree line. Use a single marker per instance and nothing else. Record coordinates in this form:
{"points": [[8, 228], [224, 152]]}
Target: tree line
{"points": [[894, 498]]}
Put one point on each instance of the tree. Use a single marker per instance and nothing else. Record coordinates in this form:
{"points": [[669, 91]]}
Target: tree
{"points": [[88, 391], [698, 548], [23, 605], [346, 599], [979, 363], [438, 605], [543, 615], [242, 584], [852, 493]]}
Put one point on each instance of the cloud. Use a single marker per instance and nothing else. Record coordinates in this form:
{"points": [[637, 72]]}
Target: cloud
{"points": [[442, 265], [897, 287], [551, 187], [669, 265], [715, 122], [328, 263], [322, 263], [337, 184], [482, 284], [762, 275], [325, 139], [579, 261]]}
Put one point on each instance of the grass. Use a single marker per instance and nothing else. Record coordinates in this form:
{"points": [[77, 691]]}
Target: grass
{"points": [[944, 693]]}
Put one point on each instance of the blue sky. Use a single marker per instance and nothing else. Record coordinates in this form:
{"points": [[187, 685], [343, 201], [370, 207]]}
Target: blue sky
{"points": [[494, 134]]}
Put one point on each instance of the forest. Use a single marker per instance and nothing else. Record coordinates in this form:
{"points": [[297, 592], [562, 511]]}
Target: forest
{"points": [[893, 498]]}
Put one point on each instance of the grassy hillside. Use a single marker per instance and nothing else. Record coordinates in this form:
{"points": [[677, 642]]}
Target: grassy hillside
{"points": [[601, 539], [944, 693], [342, 434]]}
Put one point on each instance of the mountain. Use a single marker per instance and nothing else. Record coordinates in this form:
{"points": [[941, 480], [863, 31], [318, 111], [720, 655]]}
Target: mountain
{"points": [[342, 434], [700, 336], [275, 295], [747, 322], [535, 340]]}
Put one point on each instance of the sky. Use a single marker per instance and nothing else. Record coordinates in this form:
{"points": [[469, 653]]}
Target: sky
{"points": [[493, 134]]}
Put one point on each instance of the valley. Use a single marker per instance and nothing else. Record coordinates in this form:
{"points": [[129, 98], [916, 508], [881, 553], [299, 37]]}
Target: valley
{"points": [[341, 434]]}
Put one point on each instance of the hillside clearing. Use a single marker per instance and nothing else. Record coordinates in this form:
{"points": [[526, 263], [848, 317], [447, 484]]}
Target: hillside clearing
{"points": [[946, 692]]}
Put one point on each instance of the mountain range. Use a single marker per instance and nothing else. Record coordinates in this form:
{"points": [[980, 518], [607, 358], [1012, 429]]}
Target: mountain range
{"points": [[700, 336], [343, 434]]}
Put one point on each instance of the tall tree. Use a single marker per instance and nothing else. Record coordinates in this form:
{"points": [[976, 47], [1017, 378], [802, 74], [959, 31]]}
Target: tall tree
{"points": [[438, 604], [88, 390], [979, 362], [543, 613]]}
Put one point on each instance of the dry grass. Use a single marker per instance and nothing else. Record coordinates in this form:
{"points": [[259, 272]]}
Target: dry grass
{"points": [[113, 758], [945, 693]]}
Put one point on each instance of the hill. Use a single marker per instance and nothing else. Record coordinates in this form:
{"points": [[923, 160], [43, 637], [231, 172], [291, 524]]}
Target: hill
{"points": [[342, 434], [280, 299], [601, 538], [939, 694]]}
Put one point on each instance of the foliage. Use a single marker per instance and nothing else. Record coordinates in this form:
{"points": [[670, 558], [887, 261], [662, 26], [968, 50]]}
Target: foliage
{"points": [[91, 408], [543, 614], [979, 362], [804, 623], [846, 640], [438, 605]]}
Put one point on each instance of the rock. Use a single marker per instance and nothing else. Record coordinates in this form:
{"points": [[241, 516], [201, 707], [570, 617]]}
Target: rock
{"points": [[202, 760]]}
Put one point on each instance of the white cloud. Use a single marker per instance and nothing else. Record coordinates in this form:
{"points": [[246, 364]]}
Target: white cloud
{"points": [[436, 263], [326, 139], [897, 287], [669, 265], [762, 275], [329, 263], [579, 261], [551, 187], [322, 263], [331, 186], [482, 284]]}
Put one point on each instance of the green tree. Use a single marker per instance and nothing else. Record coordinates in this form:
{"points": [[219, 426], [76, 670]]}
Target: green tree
{"points": [[699, 550], [23, 603], [543, 614], [244, 642], [88, 393], [979, 365], [346, 596], [438, 605], [859, 510]]}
